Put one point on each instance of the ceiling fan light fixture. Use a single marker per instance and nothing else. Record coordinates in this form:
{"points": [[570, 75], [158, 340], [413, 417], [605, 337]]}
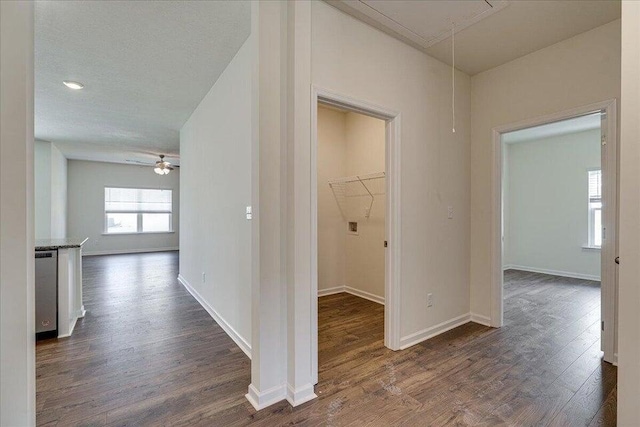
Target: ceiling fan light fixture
{"points": [[162, 167]]}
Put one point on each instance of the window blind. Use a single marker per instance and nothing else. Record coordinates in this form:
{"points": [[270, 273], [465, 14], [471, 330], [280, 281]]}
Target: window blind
{"points": [[595, 186], [137, 200]]}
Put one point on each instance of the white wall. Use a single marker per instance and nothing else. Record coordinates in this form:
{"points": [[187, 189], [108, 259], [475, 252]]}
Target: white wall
{"points": [[42, 202], [215, 155], [547, 205], [50, 191], [86, 183], [350, 144], [332, 230], [58, 193], [579, 71], [353, 59], [365, 154], [17, 317], [629, 291]]}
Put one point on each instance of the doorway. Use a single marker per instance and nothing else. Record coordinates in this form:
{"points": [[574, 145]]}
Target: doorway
{"points": [[351, 229], [379, 188], [581, 240]]}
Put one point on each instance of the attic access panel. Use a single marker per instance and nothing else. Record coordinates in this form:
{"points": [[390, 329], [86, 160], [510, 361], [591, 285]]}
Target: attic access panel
{"points": [[422, 23]]}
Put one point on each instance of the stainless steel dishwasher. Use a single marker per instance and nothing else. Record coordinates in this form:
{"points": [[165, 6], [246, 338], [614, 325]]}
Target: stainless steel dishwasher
{"points": [[46, 294]]}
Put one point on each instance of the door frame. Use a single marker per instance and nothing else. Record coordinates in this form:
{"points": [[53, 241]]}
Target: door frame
{"points": [[392, 212], [609, 165]]}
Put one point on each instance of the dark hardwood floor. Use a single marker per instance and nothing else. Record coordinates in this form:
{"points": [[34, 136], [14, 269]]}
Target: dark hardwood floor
{"points": [[148, 354]]}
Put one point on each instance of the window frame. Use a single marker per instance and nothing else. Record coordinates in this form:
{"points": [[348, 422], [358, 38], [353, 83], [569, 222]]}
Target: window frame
{"points": [[139, 214], [591, 212]]}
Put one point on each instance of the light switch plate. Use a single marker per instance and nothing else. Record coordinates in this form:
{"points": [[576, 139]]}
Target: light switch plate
{"points": [[249, 212]]}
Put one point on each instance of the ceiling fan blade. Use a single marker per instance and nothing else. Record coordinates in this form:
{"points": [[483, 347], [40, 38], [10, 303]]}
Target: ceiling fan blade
{"points": [[141, 163], [138, 162]]}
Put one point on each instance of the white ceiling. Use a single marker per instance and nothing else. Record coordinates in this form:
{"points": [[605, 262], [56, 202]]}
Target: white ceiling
{"points": [[564, 127], [488, 33], [421, 23], [145, 66]]}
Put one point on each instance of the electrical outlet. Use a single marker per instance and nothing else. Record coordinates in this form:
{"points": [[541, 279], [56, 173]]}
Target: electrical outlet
{"points": [[204, 277], [429, 300], [450, 212]]}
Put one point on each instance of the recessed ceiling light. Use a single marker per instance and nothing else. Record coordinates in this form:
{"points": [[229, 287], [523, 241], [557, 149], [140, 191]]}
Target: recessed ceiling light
{"points": [[73, 85]]}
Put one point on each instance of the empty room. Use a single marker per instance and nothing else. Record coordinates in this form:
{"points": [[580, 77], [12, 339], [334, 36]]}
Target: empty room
{"points": [[553, 224], [320, 212]]}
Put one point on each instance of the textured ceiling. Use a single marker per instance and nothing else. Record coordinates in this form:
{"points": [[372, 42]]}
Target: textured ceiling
{"points": [[516, 28], [564, 127], [145, 66]]}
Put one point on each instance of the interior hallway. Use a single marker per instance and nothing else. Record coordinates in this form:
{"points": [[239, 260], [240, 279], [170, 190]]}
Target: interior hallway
{"points": [[148, 354]]}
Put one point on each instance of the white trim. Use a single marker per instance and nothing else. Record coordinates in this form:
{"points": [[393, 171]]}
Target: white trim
{"points": [[591, 248], [353, 291], [432, 331], [235, 336], [480, 319], [73, 325], [71, 328], [330, 291], [267, 397], [609, 248], [560, 273], [615, 359], [303, 395], [128, 251], [392, 217], [364, 294]]}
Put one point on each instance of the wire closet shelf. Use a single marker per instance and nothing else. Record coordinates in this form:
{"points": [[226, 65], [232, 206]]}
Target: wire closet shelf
{"points": [[355, 194]]}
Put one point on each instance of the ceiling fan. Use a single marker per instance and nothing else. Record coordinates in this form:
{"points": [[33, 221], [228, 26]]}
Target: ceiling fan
{"points": [[161, 167]]}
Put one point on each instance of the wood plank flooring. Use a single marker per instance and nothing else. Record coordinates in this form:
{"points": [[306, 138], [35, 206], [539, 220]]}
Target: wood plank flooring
{"points": [[148, 354]]}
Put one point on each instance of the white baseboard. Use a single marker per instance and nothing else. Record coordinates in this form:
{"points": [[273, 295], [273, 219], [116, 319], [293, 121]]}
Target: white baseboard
{"points": [[570, 274], [300, 396], [615, 359], [425, 334], [235, 336], [128, 251], [363, 294], [330, 291], [482, 320], [72, 326], [353, 291], [261, 400]]}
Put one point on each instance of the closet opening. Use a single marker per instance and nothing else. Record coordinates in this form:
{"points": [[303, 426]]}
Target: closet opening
{"points": [[351, 186], [355, 230]]}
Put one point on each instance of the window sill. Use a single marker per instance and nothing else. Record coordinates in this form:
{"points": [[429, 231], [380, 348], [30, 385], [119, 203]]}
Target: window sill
{"points": [[591, 248], [136, 233]]}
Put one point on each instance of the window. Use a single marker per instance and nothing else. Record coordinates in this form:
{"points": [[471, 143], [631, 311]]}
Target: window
{"points": [[137, 210], [595, 208]]}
